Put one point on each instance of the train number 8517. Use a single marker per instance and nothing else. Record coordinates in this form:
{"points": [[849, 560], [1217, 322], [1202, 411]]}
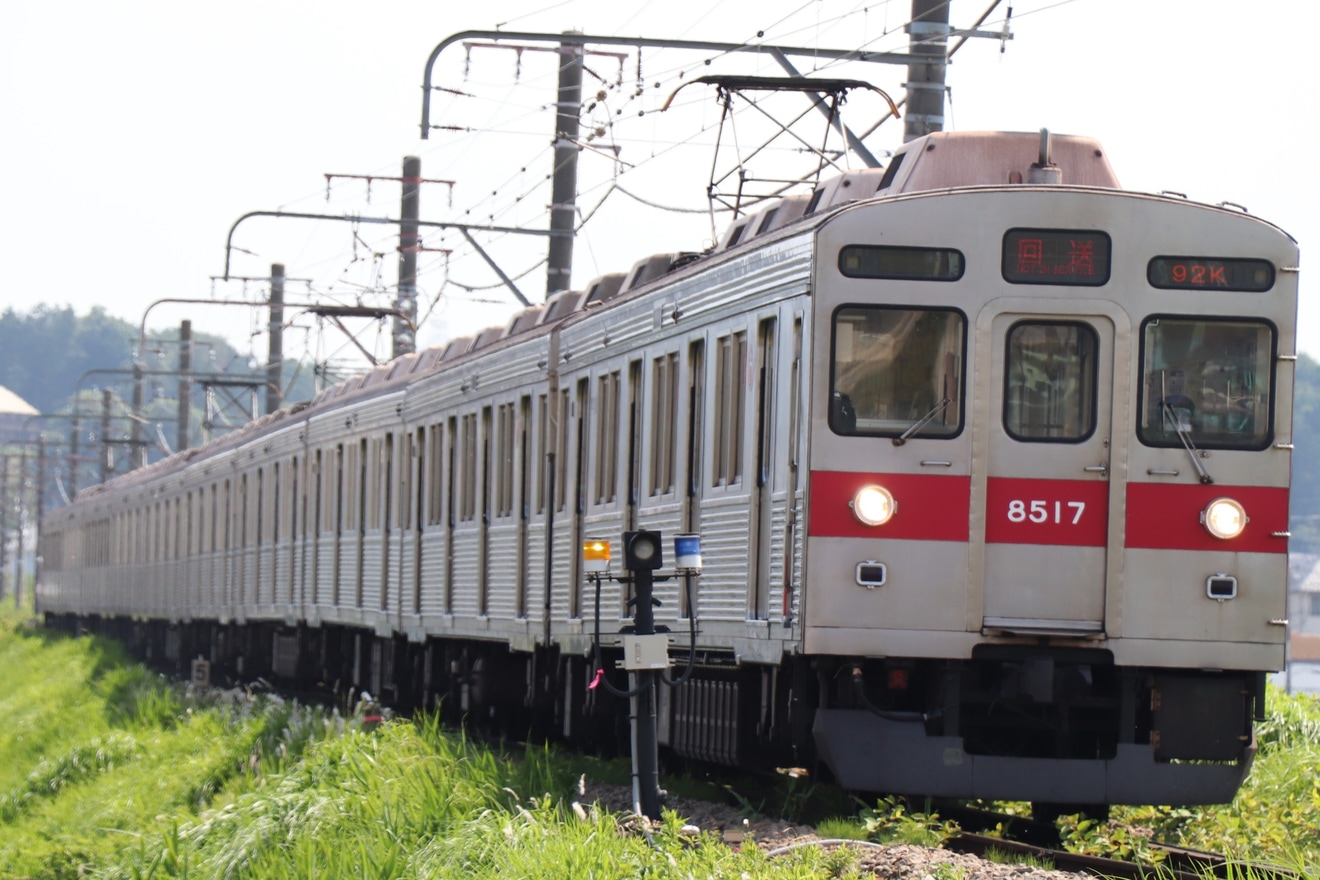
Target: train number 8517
{"points": [[1064, 512]]}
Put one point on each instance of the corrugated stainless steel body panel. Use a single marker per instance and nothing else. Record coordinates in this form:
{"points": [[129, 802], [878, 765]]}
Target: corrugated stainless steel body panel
{"points": [[282, 575], [372, 560], [326, 570], [716, 300], [262, 596], [725, 538], [466, 569], [502, 575], [433, 571], [345, 594], [402, 567]]}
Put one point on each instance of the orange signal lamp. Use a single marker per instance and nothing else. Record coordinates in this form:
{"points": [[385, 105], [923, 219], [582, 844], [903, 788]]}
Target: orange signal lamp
{"points": [[595, 556]]}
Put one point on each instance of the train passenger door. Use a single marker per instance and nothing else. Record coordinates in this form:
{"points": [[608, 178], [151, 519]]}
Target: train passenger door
{"points": [[763, 488], [1047, 493]]}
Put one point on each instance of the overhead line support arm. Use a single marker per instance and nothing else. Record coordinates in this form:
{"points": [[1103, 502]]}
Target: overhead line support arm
{"points": [[465, 228], [644, 42]]}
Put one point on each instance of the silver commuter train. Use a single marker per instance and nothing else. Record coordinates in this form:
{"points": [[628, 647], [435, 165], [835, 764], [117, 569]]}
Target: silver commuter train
{"points": [[990, 460]]}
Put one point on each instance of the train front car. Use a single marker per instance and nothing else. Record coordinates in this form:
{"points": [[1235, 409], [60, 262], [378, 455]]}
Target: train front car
{"points": [[1050, 454]]}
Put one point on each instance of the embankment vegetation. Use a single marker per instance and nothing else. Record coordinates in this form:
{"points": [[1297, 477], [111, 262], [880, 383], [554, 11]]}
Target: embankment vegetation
{"points": [[108, 770]]}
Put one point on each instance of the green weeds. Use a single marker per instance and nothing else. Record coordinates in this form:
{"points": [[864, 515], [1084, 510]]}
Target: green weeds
{"points": [[891, 821], [107, 771]]}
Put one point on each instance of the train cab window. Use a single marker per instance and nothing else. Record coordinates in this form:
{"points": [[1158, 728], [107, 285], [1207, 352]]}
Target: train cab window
{"points": [[1206, 381], [1050, 382], [896, 368]]}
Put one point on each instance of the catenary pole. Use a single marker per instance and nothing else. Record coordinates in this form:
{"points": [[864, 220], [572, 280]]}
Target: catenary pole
{"points": [[928, 35], [405, 304], [75, 438], [563, 198], [137, 450], [107, 447], [185, 385], [275, 360]]}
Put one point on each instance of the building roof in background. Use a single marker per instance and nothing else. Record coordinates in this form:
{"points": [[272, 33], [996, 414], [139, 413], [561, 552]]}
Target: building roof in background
{"points": [[1304, 572], [12, 404]]}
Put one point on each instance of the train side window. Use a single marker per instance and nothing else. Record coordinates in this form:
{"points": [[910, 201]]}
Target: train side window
{"points": [[1050, 382], [1209, 381], [435, 475], [727, 415], [664, 422], [487, 463], [894, 368], [542, 449], [263, 521], [577, 408], [467, 503], [277, 492], [374, 477], [348, 487], [363, 487], [504, 463], [607, 438]]}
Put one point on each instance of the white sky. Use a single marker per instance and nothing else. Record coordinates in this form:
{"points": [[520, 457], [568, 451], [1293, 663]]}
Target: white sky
{"points": [[136, 133]]}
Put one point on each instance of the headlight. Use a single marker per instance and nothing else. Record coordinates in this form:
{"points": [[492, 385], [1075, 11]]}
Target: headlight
{"points": [[873, 505], [1224, 518]]}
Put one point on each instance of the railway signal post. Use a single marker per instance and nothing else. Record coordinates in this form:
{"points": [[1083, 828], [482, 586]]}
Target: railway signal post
{"points": [[645, 649]]}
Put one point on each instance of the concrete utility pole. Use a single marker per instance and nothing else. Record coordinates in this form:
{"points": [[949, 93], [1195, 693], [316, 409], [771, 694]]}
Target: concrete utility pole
{"points": [[275, 361], [927, 37], [107, 447], [74, 439], [137, 450], [18, 532], [41, 511], [185, 385], [405, 305], [563, 198], [4, 522]]}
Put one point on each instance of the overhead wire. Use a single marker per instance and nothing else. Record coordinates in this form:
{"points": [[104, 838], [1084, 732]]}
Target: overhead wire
{"points": [[624, 104]]}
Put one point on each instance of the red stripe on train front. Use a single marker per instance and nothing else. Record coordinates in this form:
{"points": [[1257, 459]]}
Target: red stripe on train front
{"points": [[929, 507], [1166, 517], [1073, 513]]}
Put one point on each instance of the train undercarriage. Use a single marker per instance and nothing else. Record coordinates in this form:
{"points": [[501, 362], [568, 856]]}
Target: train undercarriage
{"points": [[1051, 726]]}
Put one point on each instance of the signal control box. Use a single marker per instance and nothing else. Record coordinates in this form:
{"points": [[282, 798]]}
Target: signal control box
{"points": [[645, 652]]}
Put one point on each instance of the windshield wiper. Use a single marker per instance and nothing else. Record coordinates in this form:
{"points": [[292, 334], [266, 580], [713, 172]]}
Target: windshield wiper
{"points": [[1185, 436], [921, 423]]}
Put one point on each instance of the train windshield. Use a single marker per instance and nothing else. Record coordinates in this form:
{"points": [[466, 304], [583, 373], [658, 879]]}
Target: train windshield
{"points": [[1050, 382], [1208, 379], [894, 367]]}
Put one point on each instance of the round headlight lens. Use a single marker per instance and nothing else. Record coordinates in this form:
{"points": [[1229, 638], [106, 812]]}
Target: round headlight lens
{"points": [[1224, 518], [873, 505]]}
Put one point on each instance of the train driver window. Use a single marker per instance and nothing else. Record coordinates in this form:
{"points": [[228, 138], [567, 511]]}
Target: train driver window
{"points": [[1206, 381], [1050, 382], [894, 368]]}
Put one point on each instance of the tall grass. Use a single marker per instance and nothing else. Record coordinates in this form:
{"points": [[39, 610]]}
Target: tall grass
{"points": [[108, 771], [414, 800], [116, 774]]}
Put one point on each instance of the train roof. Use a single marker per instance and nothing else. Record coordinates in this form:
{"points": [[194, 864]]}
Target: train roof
{"points": [[938, 161]]}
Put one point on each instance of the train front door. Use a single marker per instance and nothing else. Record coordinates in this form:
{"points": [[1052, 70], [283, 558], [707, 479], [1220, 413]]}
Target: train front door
{"points": [[1047, 414]]}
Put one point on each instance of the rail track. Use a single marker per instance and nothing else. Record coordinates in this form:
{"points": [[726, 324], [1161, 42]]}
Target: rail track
{"points": [[1179, 863]]}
